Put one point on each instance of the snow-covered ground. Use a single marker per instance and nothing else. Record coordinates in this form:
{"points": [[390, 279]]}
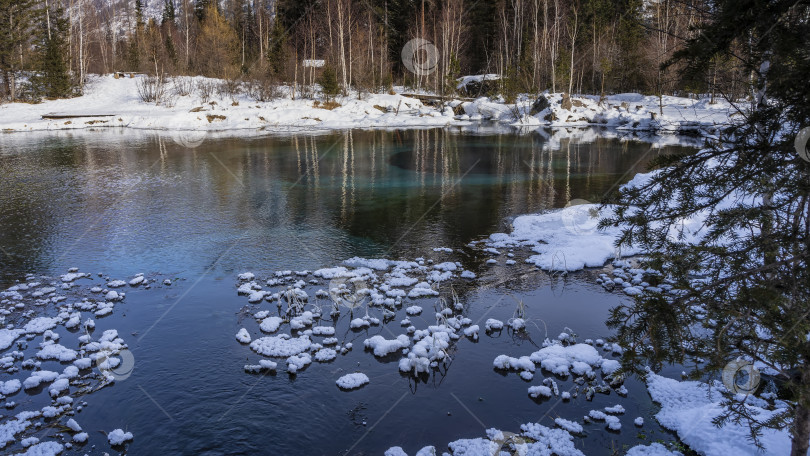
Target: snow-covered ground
{"points": [[110, 102]]}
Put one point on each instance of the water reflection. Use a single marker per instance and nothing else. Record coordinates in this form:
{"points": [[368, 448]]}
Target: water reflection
{"points": [[141, 200]]}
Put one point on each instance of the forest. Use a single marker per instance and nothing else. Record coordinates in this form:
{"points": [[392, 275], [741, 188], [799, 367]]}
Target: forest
{"points": [[572, 46]]}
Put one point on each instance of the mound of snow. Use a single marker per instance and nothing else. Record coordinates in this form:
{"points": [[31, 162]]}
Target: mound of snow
{"points": [[383, 347], [118, 437], [280, 346], [352, 381]]}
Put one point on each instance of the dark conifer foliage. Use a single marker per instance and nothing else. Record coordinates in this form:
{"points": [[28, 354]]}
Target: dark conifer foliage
{"points": [[745, 281], [53, 80]]}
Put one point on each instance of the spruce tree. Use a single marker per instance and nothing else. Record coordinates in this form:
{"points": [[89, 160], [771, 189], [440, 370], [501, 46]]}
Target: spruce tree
{"points": [[17, 18], [329, 82], [52, 79], [169, 12], [277, 50], [201, 8], [743, 281]]}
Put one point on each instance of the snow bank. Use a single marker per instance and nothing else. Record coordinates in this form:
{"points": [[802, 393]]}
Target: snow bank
{"points": [[110, 102], [688, 408], [563, 240], [118, 99]]}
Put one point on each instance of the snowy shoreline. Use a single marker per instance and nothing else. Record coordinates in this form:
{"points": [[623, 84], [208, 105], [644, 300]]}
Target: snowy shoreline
{"points": [[115, 103]]}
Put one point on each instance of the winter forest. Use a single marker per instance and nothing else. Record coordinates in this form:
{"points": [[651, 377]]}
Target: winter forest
{"points": [[583, 46]]}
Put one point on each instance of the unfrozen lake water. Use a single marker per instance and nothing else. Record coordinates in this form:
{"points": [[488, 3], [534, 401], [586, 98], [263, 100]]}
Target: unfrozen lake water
{"points": [[123, 203]]}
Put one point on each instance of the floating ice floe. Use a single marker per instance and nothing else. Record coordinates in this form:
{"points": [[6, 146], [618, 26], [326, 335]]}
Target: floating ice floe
{"points": [[281, 346], [325, 354], [539, 391], [243, 336], [654, 449], [524, 363], [298, 362], [579, 359], [56, 352], [534, 439], [119, 437], [359, 323], [264, 365], [571, 426], [246, 276], [352, 381], [384, 347], [270, 324], [493, 325]]}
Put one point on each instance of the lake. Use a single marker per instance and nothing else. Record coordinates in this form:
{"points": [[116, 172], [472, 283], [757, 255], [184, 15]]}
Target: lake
{"points": [[199, 210]]}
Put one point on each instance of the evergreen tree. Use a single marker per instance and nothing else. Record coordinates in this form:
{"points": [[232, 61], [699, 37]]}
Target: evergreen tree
{"points": [[133, 54], [139, 18], [744, 282], [169, 12], [17, 18], [53, 77], [277, 50], [483, 31], [329, 82], [201, 8], [292, 12], [630, 39]]}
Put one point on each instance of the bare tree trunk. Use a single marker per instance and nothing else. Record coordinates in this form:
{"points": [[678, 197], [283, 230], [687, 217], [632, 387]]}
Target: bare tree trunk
{"points": [[259, 15], [12, 84], [186, 9], [536, 47], [48, 18], [573, 48], [555, 42], [7, 82], [341, 37], [81, 43]]}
